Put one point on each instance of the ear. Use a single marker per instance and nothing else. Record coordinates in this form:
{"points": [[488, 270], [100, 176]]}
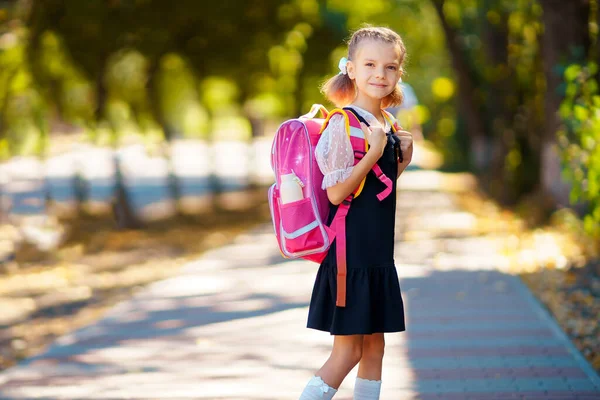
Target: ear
{"points": [[350, 70]]}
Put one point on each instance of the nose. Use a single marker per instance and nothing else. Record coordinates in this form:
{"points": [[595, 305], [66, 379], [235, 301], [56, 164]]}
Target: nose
{"points": [[379, 72]]}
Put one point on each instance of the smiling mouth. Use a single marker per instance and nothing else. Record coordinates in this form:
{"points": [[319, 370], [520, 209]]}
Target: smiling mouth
{"points": [[378, 85]]}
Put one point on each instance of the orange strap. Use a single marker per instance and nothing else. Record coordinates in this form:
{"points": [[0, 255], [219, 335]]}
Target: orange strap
{"points": [[340, 237]]}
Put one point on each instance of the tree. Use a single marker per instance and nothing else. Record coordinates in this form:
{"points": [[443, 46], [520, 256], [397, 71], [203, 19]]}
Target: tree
{"points": [[566, 40]]}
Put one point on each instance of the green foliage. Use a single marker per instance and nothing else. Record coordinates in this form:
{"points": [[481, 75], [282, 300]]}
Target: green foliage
{"points": [[23, 125], [579, 139], [179, 101], [133, 64], [119, 49], [60, 81]]}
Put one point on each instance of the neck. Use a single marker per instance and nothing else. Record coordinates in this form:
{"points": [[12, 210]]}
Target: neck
{"points": [[371, 105]]}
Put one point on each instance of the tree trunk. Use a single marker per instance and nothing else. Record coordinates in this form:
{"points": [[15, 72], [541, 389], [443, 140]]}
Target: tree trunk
{"points": [[100, 96], [466, 89], [498, 112], [5, 98], [123, 212], [566, 40], [81, 188], [173, 183]]}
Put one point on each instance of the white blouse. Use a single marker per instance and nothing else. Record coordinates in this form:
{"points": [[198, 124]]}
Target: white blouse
{"points": [[334, 151]]}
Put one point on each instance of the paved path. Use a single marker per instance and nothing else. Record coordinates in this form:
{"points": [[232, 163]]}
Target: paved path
{"points": [[232, 326]]}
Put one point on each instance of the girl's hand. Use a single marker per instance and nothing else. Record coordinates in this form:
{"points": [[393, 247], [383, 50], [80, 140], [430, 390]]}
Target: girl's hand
{"points": [[406, 142], [376, 138], [406, 146]]}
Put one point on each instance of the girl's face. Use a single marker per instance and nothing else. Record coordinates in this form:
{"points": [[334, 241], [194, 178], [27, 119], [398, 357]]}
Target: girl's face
{"points": [[375, 69]]}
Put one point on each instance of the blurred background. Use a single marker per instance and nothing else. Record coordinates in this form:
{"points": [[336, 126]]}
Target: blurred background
{"points": [[136, 133]]}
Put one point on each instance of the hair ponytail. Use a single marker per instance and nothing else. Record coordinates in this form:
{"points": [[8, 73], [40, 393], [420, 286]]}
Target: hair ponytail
{"points": [[339, 89]]}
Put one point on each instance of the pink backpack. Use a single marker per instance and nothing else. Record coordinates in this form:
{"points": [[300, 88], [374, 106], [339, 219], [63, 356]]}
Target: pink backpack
{"points": [[300, 225]]}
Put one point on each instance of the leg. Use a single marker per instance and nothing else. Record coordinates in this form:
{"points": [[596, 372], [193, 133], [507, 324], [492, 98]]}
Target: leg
{"points": [[372, 357], [346, 353], [368, 381]]}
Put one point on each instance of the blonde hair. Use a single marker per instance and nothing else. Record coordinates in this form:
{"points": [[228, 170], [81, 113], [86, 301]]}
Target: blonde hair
{"points": [[340, 89]]}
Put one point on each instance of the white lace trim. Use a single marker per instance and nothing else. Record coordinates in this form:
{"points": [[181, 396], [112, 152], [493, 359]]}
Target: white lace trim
{"points": [[368, 381], [318, 382], [335, 177], [367, 389]]}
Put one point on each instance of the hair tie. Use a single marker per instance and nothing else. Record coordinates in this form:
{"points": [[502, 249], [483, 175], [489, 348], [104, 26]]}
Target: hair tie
{"points": [[342, 65]]}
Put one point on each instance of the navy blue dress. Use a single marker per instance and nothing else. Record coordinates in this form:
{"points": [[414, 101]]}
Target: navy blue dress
{"points": [[373, 298]]}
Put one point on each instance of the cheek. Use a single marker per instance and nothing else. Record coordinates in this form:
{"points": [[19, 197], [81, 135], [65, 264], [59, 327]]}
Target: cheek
{"points": [[360, 74]]}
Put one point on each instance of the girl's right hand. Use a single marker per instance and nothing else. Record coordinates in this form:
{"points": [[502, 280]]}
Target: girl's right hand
{"points": [[376, 138]]}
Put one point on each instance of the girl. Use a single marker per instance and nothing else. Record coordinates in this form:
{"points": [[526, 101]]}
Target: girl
{"points": [[367, 82]]}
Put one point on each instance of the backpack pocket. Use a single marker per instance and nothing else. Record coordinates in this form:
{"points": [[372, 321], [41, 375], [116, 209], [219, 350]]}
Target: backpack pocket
{"points": [[274, 203], [301, 229]]}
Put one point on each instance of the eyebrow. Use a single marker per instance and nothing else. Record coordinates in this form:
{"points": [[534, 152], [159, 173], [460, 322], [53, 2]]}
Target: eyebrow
{"points": [[393, 62]]}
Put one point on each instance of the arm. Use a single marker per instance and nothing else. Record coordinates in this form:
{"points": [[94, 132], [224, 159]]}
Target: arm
{"points": [[340, 191]]}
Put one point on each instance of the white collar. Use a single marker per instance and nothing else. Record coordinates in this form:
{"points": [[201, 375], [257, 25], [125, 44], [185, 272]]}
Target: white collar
{"points": [[371, 118]]}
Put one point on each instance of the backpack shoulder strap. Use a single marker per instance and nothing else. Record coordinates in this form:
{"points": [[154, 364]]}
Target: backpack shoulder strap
{"points": [[360, 145], [392, 120], [336, 111], [376, 168]]}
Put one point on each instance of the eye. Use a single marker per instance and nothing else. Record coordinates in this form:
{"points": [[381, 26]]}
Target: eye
{"points": [[369, 64], [393, 67]]}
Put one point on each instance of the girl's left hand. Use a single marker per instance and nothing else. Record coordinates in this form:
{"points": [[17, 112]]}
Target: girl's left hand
{"points": [[406, 144]]}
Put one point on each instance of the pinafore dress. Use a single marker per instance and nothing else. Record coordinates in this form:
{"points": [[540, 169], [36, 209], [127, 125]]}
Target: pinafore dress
{"points": [[373, 297]]}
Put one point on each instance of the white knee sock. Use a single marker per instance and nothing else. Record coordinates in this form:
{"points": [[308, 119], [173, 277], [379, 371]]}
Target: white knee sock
{"points": [[365, 389], [316, 389]]}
